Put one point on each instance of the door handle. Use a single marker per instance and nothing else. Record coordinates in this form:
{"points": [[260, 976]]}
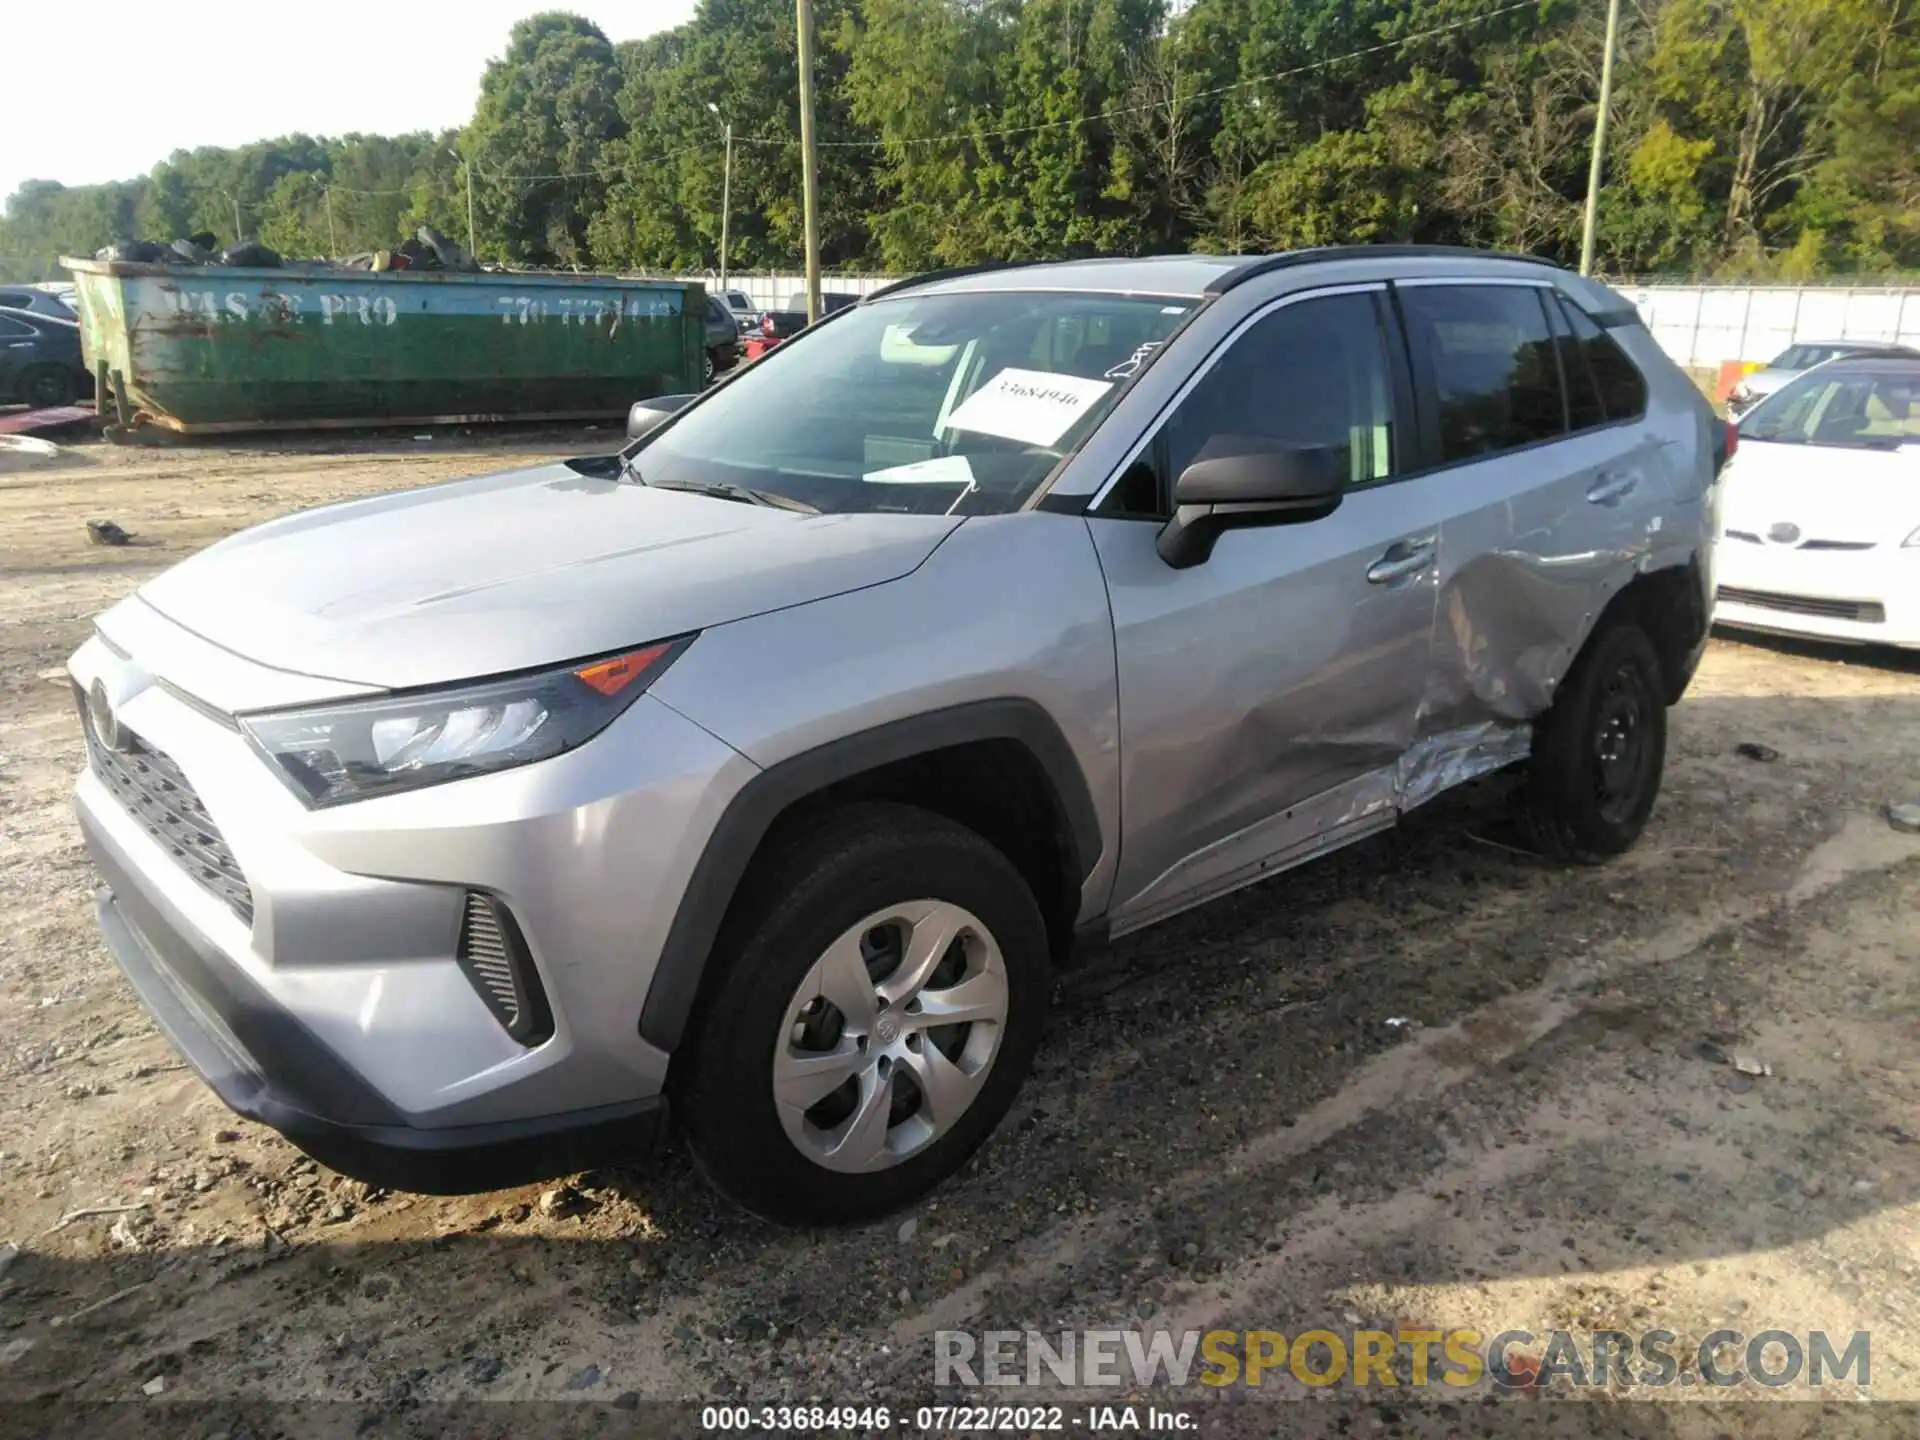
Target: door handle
{"points": [[1609, 489], [1403, 558]]}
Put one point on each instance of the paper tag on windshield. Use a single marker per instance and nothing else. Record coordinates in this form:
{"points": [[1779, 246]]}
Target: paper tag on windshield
{"points": [[940, 470], [1031, 406]]}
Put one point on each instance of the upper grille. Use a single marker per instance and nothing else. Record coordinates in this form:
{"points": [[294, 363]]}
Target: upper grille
{"points": [[1866, 612], [155, 792], [496, 961]]}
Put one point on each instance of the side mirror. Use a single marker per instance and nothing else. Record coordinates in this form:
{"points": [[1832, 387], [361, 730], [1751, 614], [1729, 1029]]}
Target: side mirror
{"points": [[647, 416], [1243, 480]]}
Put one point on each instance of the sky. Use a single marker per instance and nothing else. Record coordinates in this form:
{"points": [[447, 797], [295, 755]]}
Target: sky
{"points": [[113, 88]]}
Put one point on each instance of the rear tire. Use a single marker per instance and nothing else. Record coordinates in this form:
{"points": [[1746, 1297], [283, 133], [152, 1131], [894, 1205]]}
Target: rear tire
{"points": [[879, 1100], [1598, 752], [46, 386]]}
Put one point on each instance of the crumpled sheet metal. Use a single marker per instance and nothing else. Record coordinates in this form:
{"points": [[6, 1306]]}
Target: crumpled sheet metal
{"points": [[1453, 757]]}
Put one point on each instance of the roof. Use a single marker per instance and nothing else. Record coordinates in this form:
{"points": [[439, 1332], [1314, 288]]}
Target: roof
{"points": [[1851, 344], [1181, 276], [1878, 358]]}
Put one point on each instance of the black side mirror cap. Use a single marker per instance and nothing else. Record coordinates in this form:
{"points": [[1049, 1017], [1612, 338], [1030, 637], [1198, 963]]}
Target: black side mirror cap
{"points": [[1241, 481], [646, 416]]}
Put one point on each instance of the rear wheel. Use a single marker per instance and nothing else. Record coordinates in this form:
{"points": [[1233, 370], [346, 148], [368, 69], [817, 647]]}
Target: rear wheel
{"points": [[45, 386], [879, 1005], [1599, 752], [710, 368]]}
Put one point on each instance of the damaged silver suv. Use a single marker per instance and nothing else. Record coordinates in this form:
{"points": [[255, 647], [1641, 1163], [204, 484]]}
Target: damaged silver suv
{"points": [[770, 768]]}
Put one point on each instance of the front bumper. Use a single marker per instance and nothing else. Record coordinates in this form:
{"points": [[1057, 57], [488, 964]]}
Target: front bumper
{"points": [[330, 1000], [1857, 597], [220, 1022]]}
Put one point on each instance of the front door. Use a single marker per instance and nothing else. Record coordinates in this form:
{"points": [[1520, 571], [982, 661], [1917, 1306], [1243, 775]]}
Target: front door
{"points": [[1266, 693]]}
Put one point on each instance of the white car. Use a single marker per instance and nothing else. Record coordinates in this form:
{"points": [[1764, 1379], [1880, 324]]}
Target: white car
{"points": [[1796, 360], [1820, 516]]}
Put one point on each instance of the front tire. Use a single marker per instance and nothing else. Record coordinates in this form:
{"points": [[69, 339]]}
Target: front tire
{"points": [[1598, 752], [881, 989]]}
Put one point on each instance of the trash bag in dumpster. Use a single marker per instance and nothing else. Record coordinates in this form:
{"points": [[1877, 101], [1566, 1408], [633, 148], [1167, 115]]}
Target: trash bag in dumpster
{"points": [[250, 255], [444, 250], [188, 252]]}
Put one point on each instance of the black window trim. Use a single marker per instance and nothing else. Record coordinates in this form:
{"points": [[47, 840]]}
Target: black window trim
{"points": [[1400, 392], [1428, 392]]}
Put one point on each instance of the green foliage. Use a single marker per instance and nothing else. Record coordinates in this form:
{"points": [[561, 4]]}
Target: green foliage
{"points": [[1765, 139]]}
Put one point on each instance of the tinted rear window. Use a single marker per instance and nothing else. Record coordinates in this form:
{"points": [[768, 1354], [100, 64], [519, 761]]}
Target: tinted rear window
{"points": [[1623, 390]]}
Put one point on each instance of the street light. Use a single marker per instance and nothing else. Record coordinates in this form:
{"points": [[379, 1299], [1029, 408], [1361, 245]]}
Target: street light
{"points": [[726, 191]]}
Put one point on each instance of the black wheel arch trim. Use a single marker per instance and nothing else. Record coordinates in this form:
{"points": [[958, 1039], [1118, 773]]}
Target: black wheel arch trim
{"points": [[751, 814]]}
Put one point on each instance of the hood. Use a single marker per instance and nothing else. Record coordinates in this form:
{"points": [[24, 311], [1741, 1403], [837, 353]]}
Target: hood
{"points": [[517, 571], [1826, 492]]}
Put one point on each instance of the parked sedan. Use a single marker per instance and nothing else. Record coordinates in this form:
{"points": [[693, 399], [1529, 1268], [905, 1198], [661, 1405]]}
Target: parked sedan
{"points": [[1795, 360], [40, 360], [1821, 516]]}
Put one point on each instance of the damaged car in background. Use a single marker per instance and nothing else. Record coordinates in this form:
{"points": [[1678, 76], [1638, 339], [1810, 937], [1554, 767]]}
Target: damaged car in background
{"points": [[770, 769]]}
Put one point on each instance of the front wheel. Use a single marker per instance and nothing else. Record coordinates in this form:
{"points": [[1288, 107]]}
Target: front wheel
{"points": [[1599, 751], [878, 1006]]}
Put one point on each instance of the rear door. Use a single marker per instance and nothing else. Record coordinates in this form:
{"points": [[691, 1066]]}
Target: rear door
{"points": [[1267, 693], [1549, 490]]}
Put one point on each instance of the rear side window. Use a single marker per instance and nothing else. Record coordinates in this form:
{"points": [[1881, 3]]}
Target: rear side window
{"points": [[13, 300], [1584, 408], [1492, 363], [1623, 389]]}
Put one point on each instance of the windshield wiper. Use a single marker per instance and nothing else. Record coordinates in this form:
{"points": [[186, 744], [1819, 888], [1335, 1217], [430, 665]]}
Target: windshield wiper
{"points": [[722, 490]]}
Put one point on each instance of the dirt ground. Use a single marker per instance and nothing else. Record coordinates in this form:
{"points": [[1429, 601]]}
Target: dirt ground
{"points": [[1433, 1082]]}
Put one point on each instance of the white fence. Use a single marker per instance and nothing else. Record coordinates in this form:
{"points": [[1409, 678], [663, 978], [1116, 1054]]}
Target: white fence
{"points": [[1708, 326], [1703, 326], [773, 291]]}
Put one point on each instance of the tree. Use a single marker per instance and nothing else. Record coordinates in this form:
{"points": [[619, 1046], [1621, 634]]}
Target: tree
{"points": [[547, 108]]}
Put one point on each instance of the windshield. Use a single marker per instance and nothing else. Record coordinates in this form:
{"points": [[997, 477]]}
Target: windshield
{"points": [[1872, 409], [1804, 357], [959, 404]]}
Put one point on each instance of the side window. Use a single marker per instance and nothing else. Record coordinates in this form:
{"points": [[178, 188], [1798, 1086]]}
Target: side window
{"points": [[1492, 366], [1584, 410], [1311, 373], [1623, 390]]}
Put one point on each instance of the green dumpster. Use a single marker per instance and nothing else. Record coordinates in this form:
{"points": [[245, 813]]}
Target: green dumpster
{"points": [[207, 350]]}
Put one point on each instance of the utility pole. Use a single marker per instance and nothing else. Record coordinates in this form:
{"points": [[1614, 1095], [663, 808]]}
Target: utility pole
{"points": [[1599, 141], [809, 178], [726, 194], [333, 244], [473, 248]]}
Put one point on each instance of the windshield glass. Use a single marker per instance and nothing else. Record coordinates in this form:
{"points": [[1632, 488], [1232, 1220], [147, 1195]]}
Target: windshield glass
{"points": [[1874, 409], [956, 404], [1804, 357]]}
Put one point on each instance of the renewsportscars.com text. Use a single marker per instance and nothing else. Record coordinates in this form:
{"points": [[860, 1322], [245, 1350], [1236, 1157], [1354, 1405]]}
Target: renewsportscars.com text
{"points": [[1514, 1359]]}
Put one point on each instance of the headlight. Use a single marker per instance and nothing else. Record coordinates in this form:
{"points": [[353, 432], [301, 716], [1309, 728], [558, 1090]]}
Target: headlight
{"points": [[402, 742]]}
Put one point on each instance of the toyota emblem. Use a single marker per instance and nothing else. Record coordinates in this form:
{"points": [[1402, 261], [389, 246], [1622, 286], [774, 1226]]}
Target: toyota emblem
{"points": [[106, 725], [1785, 533]]}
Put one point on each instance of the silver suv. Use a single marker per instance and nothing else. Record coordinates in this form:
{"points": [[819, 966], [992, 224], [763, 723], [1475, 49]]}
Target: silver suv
{"points": [[775, 765]]}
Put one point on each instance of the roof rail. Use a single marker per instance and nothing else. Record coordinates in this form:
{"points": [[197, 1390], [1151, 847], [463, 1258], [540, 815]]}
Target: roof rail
{"points": [[951, 273], [1266, 264]]}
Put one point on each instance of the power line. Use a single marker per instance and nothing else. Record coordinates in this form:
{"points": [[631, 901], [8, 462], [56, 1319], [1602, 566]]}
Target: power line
{"points": [[1113, 111]]}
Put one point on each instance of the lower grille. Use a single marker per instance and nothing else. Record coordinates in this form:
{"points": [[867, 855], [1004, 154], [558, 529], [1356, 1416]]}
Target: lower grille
{"points": [[1865, 612], [495, 959], [152, 789]]}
